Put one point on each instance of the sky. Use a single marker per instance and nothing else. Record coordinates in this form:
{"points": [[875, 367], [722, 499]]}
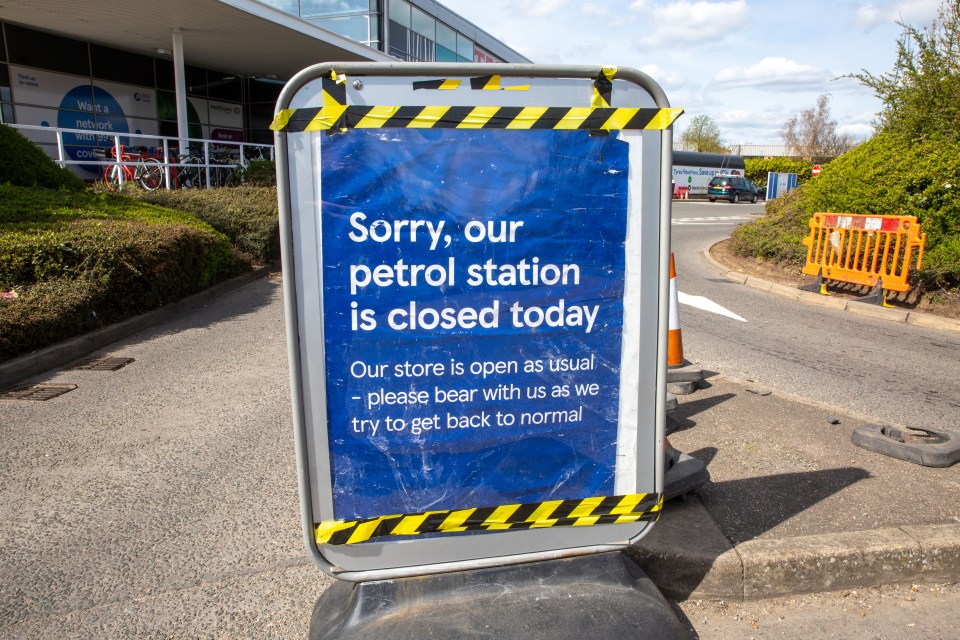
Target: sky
{"points": [[748, 64]]}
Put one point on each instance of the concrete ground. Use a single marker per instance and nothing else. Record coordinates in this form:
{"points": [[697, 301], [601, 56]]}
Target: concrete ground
{"points": [[160, 500], [784, 467]]}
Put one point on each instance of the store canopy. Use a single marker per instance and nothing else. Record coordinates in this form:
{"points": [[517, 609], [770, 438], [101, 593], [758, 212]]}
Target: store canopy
{"points": [[237, 36]]}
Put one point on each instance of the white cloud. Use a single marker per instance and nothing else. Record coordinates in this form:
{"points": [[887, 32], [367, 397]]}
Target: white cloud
{"points": [[770, 119], [538, 8], [682, 22], [911, 11], [595, 10], [857, 131], [664, 77], [783, 73]]}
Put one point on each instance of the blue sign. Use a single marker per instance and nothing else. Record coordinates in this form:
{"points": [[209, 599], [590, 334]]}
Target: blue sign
{"points": [[92, 109], [472, 316]]}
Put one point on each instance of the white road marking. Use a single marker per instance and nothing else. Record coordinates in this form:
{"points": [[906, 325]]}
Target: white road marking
{"points": [[706, 304], [711, 220]]}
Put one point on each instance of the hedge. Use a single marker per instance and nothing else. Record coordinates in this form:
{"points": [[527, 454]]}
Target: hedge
{"points": [[23, 163], [758, 168], [888, 175], [79, 260], [248, 215]]}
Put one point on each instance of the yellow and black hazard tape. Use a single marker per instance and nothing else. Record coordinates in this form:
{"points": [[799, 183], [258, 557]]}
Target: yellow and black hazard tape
{"points": [[638, 507], [336, 114], [479, 83], [603, 88]]}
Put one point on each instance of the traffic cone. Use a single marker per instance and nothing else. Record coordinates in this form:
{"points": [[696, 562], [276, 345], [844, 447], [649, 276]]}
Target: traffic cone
{"points": [[681, 379], [674, 337]]}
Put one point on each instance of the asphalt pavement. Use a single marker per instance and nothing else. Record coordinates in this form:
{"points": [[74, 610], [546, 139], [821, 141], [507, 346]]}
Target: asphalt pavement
{"points": [[160, 499]]}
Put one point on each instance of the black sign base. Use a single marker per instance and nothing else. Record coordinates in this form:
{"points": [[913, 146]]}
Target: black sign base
{"points": [[598, 596]]}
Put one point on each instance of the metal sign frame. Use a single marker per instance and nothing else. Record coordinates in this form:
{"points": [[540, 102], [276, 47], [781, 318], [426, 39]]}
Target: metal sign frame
{"points": [[306, 112]]}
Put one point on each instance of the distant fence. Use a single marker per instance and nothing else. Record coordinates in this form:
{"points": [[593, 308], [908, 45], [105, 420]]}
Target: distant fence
{"points": [[758, 150]]}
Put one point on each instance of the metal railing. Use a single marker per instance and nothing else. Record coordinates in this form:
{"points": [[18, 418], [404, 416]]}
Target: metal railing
{"points": [[199, 154]]}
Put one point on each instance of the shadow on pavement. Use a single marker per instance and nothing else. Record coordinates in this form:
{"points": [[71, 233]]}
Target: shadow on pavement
{"points": [[239, 302], [705, 455], [222, 303], [679, 420], [689, 549], [747, 508]]}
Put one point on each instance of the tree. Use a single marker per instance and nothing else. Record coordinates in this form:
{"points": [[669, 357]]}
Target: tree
{"points": [[921, 95], [703, 135], [812, 134]]}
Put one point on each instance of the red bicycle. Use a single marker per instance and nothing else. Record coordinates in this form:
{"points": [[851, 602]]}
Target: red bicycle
{"points": [[147, 170]]}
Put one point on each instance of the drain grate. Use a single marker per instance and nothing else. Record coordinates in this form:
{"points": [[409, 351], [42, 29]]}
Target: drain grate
{"points": [[38, 392], [102, 363]]}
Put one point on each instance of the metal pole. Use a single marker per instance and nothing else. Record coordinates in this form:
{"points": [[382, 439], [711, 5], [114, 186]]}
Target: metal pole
{"points": [[180, 82]]}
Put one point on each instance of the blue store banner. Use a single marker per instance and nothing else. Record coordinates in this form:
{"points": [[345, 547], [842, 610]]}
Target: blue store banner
{"points": [[472, 316]]}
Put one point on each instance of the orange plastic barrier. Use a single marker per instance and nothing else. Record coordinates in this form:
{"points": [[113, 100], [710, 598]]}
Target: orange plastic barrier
{"points": [[863, 249]]}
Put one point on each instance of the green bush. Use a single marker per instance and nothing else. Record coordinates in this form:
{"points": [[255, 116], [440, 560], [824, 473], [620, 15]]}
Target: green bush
{"points": [[261, 173], [758, 168], [23, 164], [778, 236], [81, 260], [887, 175], [249, 216], [49, 312]]}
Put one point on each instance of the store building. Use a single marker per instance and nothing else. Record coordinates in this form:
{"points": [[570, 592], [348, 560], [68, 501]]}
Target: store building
{"points": [[208, 69]]}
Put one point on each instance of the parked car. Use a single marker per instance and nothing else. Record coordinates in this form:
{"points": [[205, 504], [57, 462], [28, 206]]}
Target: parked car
{"points": [[732, 188], [761, 191]]}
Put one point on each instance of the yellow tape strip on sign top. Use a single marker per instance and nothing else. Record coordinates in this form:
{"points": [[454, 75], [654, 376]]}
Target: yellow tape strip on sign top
{"points": [[337, 115], [638, 507]]}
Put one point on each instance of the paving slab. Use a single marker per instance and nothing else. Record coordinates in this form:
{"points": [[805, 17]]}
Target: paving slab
{"points": [[783, 467]]}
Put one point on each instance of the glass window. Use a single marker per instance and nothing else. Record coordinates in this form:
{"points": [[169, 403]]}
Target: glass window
{"points": [[400, 13], [289, 6], [196, 80], [399, 38], [3, 47], [446, 55], [164, 74], [169, 129], [258, 136], [422, 48], [121, 66], [5, 84], [353, 27], [465, 48], [47, 51], [166, 105], [446, 37], [424, 24], [260, 115], [310, 8], [265, 90], [223, 86]]}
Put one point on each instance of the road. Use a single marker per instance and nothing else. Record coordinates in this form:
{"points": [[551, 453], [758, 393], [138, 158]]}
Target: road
{"points": [[895, 612], [160, 500], [893, 372]]}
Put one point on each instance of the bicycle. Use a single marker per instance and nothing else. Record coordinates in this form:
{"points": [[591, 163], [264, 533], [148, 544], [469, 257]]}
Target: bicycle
{"points": [[147, 172], [226, 170], [189, 173]]}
